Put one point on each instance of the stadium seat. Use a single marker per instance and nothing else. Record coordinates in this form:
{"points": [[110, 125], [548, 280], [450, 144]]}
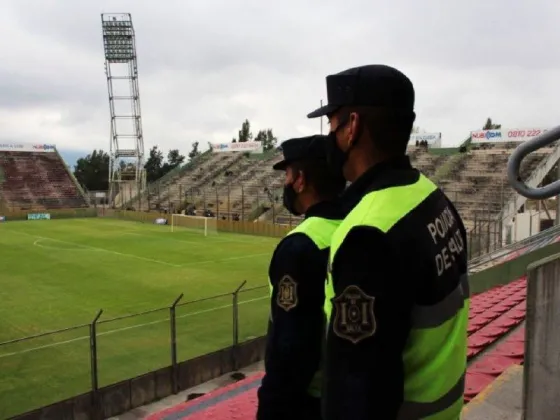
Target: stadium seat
{"points": [[493, 314], [38, 180]]}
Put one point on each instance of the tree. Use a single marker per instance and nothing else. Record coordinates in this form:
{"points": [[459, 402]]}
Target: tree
{"points": [[261, 136], [245, 132], [92, 171], [266, 137], [490, 125], [174, 158], [194, 151], [154, 164]]}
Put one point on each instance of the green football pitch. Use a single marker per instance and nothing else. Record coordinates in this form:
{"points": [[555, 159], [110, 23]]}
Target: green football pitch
{"points": [[59, 273]]}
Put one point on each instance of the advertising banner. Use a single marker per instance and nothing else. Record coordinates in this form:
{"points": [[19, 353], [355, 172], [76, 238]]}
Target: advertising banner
{"points": [[506, 135], [248, 146], [160, 221], [2, 219], [433, 139], [39, 216], [23, 147]]}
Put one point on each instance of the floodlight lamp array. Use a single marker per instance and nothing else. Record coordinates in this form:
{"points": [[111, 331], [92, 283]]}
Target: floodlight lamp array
{"points": [[118, 40], [118, 49]]}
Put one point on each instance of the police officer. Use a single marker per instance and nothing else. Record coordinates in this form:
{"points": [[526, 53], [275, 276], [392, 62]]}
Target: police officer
{"points": [[298, 270], [397, 294]]}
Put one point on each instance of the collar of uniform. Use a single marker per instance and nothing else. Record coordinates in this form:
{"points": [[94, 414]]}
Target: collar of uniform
{"points": [[326, 210], [375, 178]]}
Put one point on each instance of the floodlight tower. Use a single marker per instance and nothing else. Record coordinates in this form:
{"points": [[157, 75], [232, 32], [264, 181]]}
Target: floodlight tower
{"points": [[127, 142]]}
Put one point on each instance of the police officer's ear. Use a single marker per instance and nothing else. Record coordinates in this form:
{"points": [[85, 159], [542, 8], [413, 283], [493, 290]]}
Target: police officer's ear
{"points": [[299, 180], [353, 128]]}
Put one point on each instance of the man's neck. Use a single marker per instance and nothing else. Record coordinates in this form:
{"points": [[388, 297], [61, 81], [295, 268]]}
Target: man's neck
{"points": [[363, 164], [308, 202]]}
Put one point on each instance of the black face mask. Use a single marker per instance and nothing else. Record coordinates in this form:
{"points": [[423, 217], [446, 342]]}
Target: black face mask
{"points": [[289, 199], [336, 157]]}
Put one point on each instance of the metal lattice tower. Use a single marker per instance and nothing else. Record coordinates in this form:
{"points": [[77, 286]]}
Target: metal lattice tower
{"points": [[127, 142]]}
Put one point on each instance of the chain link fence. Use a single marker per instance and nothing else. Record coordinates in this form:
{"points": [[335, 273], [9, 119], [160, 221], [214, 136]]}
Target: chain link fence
{"points": [[45, 368]]}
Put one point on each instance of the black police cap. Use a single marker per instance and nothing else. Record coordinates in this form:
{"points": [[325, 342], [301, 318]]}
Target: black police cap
{"points": [[311, 147], [373, 85]]}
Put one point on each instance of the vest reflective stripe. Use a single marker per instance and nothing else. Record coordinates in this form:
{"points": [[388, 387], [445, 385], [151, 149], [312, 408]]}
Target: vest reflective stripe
{"points": [[437, 341], [442, 311], [417, 410], [320, 231]]}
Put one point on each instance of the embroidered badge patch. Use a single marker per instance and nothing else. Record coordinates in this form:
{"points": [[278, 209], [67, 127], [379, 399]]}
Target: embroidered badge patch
{"points": [[354, 319], [287, 297]]}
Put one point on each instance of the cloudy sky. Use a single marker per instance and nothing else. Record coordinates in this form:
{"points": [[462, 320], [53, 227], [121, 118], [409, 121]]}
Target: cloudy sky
{"points": [[206, 65]]}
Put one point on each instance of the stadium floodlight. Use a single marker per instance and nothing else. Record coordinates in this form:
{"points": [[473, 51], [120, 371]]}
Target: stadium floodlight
{"points": [[199, 224], [126, 180], [118, 40]]}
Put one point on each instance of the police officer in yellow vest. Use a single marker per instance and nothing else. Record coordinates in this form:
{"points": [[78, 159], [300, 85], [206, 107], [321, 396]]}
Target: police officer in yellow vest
{"points": [[291, 386], [397, 294]]}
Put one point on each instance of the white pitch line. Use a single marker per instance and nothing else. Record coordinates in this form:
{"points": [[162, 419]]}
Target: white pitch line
{"points": [[241, 257], [122, 254], [138, 257], [86, 337]]}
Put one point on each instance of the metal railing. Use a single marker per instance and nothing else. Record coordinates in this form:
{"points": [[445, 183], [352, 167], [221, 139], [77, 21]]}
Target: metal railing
{"points": [[47, 367], [514, 165], [541, 372]]}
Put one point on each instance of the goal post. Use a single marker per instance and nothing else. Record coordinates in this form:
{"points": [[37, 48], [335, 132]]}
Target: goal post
{"points": [[205, 225]]}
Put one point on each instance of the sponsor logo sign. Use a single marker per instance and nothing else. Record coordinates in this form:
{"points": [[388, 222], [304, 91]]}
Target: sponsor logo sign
{"points": [[506, 135], [23, 147], [38, 216], [248, 146]]}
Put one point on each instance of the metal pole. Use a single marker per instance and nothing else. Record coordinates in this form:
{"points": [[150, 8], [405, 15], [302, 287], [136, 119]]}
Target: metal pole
{"points": [[242, 203], [470, 235], [488, 230], [93, 360], [557, 222], [229, 201], [181, 199], [217, 205], [173, 325], [321, 119], [235, 324]]}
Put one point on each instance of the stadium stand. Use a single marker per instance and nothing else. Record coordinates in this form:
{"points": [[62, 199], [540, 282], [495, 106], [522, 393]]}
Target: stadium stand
{"points": [[36, 180], [494, 344], [236, 183]]}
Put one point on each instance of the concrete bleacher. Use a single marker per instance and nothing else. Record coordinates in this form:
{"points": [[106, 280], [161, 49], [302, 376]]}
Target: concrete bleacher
{"points": [[245, 185], [36, 180], [478, 186], [495, 343]]}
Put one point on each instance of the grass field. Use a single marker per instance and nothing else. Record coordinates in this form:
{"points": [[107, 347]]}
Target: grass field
{"points": [[59, 273]]}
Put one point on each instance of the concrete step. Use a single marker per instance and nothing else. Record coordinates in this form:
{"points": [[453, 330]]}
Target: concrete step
{"points": [[501, 400]]}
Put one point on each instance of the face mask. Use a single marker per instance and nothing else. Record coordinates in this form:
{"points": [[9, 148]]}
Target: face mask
{"points": [[289, 199], [336, 157]]}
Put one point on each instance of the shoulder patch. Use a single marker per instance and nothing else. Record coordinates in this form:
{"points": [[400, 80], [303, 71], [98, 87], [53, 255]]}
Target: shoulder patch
{"points": [[287, 297], [354, 319]]}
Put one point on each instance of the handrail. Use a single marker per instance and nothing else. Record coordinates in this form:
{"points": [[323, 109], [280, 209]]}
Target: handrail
{"points": [[514, 165], [514, 247]]}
